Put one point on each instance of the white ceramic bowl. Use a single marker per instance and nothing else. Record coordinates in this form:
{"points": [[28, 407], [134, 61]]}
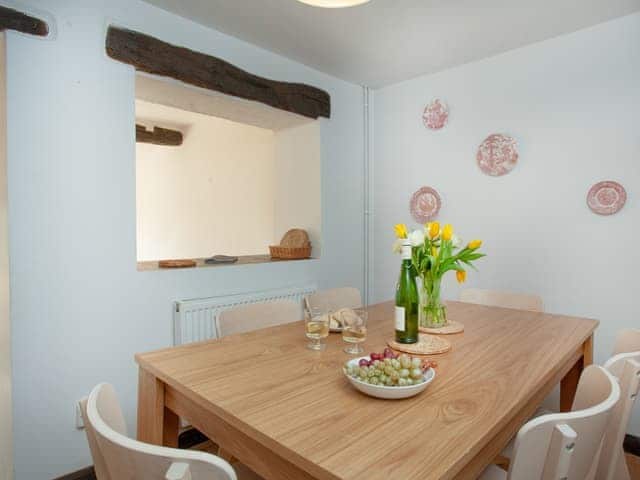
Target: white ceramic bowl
{"points": [[390, 393]]}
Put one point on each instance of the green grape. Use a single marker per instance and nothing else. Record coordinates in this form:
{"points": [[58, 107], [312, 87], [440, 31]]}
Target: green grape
{"points": [[404, 373], [409, 381], [402, 382], [416, 373], [405, 361], [416, 362]]}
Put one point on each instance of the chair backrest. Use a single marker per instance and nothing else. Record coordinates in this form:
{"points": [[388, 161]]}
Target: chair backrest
{"points": [[122, 458], [625, 366], [99, 466], [335, 299], [495, 298], [566, 445], [627, 341], [257, 315]]}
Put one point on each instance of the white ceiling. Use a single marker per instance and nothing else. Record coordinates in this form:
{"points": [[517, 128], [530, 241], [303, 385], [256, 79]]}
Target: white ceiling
{"points": [[386, 41]]}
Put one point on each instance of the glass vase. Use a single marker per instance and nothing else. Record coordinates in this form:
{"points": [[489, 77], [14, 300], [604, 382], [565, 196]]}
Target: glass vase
{"points": [[432, 312]]}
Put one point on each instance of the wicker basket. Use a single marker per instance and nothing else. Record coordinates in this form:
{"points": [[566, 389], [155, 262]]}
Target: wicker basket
{"points": [[294, 245], [290, 253]]}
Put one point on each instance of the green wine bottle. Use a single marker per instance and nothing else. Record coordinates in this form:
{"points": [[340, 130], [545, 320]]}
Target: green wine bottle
{"points": [[406, 300]]}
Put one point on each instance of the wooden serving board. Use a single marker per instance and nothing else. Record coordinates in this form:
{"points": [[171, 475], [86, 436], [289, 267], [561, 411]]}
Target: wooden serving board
{"points": [[186, 263]]}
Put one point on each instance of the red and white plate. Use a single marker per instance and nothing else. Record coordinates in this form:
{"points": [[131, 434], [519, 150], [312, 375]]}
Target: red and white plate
{"points": [[425, 204], [497, 155], [436, 115], [606, 198]]}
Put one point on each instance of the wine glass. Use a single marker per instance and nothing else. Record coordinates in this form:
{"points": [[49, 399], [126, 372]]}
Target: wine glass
{"points": [[354, 329], [316, 325]]}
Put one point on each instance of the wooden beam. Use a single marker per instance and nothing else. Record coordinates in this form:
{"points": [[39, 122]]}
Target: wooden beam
{"points": [[148, 54], [11, 19], [158, 136]]}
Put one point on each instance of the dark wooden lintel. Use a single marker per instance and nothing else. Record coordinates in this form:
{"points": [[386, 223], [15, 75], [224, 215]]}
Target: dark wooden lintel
{"points": [[11, 19], [150, 55], [158, 136]]}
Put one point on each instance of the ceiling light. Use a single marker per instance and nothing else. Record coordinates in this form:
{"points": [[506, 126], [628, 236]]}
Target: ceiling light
{"points": [[334, 3]]}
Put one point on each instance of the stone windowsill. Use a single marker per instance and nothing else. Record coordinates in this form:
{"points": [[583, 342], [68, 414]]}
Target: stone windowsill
{"points": [[152, 265]]}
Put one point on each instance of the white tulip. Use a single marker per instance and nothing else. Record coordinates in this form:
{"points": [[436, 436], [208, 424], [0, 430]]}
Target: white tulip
{"points": [[397, 246], [456, 241], [416, 238]]}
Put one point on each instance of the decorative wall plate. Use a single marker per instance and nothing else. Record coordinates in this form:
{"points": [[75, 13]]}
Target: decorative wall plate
{"points": [[497, 155], [606, 198], [436, 115], [425, 204]]}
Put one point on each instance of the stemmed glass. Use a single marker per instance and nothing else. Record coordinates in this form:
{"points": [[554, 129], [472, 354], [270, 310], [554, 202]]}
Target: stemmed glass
{"points": [[316, 324], [354, 329]]}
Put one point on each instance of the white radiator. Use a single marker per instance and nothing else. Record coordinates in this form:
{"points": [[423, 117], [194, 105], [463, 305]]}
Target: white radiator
{"points": [[196, 320]]}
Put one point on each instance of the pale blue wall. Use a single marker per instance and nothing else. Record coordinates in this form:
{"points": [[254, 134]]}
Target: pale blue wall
{"points": [[573, 105], [80, 310]]}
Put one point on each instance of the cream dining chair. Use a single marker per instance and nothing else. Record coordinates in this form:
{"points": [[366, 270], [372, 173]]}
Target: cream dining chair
{"points": [[496, 298], [118, 457], [625, 366], [335, 299], [257, 315], [564, 446]]}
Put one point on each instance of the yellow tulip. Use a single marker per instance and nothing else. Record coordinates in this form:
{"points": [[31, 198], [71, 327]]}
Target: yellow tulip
{"points": [[461, 275], [434, 229], [447, 232], [434, 252], [474, 244], [401, 230]]}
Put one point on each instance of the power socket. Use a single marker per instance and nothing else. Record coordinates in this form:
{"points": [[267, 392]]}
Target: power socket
{"points": [[79, 419]]}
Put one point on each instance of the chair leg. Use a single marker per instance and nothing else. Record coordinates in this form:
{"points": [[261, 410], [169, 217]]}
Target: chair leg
{"points": [[622, 470]]}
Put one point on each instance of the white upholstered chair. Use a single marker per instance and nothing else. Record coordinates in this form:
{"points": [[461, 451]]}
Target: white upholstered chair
{"points": [[335, 299], [496, 298], [257, 315], [625, 366], [118, 457], [564, 446]]}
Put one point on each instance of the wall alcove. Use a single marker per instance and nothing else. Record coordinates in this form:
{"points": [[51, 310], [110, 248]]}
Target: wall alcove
{"points": [[219, 175]]}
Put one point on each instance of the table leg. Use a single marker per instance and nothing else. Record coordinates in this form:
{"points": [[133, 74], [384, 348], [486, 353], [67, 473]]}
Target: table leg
{"points": [[569, 383], [156, 424], [225, 455]]}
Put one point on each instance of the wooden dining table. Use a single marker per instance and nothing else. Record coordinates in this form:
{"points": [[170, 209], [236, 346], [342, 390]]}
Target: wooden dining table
{"points": [[288, 412]]}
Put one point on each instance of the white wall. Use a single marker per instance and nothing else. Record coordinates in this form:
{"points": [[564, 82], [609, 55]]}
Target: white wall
{"points": [[298, 185], [80, 310], [573, 104], [6, 466], [214, 194]]}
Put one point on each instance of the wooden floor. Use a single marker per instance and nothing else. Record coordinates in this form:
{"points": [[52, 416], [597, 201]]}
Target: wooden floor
{"points": [[634, 466]]}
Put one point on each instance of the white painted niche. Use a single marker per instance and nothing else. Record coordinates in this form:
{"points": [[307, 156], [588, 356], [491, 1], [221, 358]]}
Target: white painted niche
{"points": [[244, 174]]}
